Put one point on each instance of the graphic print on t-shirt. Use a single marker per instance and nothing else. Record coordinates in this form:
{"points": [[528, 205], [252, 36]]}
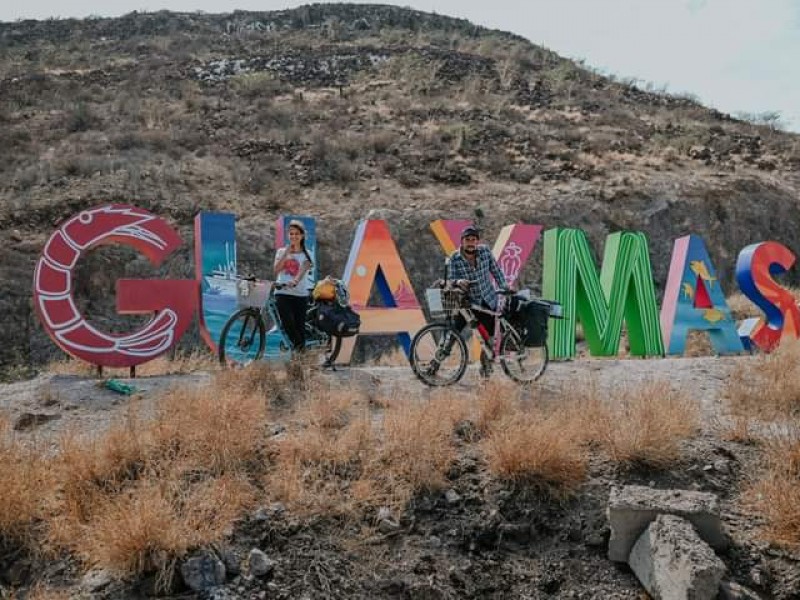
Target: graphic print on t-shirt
{"points": [[291, 267]]}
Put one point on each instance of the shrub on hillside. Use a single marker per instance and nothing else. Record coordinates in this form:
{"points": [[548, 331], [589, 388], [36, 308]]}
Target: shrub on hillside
{"points": [[80, 117]]}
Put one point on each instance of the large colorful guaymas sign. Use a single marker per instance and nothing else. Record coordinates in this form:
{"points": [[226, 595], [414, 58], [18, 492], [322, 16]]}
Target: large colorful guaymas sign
{"points": [[622, 295]]}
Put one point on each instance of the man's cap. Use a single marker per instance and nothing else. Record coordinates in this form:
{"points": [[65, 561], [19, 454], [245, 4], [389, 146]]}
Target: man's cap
{"points": [[470, 230]]}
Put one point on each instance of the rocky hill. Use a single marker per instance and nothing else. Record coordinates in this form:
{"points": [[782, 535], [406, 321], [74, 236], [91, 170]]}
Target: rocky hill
{"points": [[339, 110]]}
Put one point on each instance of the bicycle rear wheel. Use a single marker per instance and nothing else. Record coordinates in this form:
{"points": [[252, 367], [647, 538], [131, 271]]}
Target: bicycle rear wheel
{"points": [[438, 355], [243, 338], [521, 363]]}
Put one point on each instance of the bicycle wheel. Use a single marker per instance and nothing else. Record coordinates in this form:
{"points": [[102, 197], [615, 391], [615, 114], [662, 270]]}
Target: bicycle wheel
{"points": [[243, 338], [521, 363], [438, 355]]}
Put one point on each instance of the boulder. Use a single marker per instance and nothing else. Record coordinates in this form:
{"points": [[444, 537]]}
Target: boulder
{"points": [[203, 571], [632, 508], [673, 563], [260, 565]]}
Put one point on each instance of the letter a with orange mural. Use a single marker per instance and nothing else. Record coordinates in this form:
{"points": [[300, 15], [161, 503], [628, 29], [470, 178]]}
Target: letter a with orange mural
{"points": [[374, 261]]}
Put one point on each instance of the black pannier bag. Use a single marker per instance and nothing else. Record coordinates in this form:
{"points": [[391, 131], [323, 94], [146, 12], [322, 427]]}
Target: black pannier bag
{"points": [[531, 317], [335, 319]]}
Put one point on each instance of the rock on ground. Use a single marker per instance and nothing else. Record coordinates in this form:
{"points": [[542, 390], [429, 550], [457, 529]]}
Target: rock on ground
{"points": [[260, 564], [203, 571], [632, 508], [673, 563]]}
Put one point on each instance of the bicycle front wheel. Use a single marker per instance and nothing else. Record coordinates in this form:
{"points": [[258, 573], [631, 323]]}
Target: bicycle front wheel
{"points": [[438, 355], [521, 363], [243, 338]]}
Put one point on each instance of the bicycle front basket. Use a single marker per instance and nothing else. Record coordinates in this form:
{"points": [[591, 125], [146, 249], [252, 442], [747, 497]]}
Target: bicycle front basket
{"points": [[443, 303], [252, 294]]}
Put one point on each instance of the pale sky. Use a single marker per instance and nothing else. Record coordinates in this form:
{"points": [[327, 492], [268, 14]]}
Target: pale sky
{"points": [[734, 55]]}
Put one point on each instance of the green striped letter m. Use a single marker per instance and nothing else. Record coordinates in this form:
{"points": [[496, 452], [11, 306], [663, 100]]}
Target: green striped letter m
{"points": [[623, 292]]}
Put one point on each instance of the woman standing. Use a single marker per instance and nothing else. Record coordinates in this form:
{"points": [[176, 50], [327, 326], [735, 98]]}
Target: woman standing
{"points": [[292, 262]]}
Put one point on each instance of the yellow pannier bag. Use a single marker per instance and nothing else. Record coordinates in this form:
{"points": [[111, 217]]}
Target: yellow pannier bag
{"points": [[325, 290]]}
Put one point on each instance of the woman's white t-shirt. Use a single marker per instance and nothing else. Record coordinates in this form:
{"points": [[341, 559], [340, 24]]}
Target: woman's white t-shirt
{"points": [[291, 268]]}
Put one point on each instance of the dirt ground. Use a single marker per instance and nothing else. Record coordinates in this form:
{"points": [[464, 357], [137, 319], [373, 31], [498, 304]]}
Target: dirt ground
{"points": [[477, 538]]}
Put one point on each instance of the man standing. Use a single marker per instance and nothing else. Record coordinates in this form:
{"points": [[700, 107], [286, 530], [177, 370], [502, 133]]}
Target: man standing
{"points": [[473, 265]]}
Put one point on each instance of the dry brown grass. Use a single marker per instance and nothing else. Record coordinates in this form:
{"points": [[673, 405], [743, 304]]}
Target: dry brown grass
{"points": [[25, 480], [167, 479], [343, 459], [741, 430], [210, 428], [313, 468], [140, 495], [328, 408], [742, 307], [775, 492], [496, 399], [147, 526], [417, 444], [698, 344], [638, 425], [767, 387], [540, 448]]}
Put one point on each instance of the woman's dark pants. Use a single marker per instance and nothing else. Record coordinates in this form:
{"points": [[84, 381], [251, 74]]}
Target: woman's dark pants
{"points": [[292, 310]]}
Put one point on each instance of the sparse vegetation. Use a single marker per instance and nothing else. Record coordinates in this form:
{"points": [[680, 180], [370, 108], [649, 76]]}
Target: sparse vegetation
{"points": [[774, 492], [137, 497], [639, 425], [767, 388], [538, 449], [26, 478]]}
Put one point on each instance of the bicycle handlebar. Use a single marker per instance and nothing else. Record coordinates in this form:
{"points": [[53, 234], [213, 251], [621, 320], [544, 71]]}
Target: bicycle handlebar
{"points": [[463, 284]]}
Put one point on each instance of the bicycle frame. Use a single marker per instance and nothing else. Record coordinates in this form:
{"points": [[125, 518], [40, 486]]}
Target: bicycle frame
{"points": [[501, 326], [271, 309]]}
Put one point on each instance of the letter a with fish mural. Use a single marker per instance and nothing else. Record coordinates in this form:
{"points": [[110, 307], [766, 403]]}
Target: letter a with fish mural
{"points": [[374, 260], [694, 300]]}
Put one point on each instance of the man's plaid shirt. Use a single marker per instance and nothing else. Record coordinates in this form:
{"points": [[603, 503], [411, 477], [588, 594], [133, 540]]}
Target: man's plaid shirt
{"points": [[485, 265]]}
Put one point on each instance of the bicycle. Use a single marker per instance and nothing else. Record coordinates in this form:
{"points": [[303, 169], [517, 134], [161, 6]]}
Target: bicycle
{"points": [[438, 352], [244, 335]]}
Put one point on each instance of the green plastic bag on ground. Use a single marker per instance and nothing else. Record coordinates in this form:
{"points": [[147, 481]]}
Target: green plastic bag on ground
{"points": [[115, 385]]}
